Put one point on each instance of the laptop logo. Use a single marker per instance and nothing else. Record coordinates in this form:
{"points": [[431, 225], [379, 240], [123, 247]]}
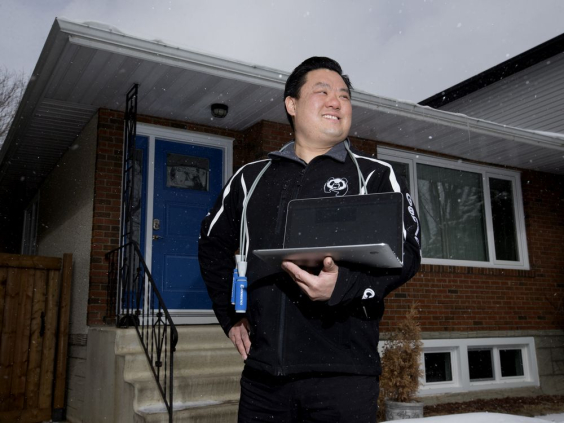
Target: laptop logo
{"points": [[339, 186]]}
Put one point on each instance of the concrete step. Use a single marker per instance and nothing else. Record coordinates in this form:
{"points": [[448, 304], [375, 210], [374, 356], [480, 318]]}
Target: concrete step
{"points": [[207, 371], [187, 364], [199, 412], [189, 338], [195, 389]]}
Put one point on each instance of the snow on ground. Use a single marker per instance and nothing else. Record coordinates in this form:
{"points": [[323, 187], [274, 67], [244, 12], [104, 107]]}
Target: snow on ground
{"points": [[557, 418], [489, 418]]}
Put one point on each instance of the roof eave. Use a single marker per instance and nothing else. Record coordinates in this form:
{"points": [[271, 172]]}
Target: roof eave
{"points": [[456, 120], [157, 51], [54, 45]]}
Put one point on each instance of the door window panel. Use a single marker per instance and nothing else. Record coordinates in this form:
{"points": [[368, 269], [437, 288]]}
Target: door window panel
{"points": [[187, 172]]}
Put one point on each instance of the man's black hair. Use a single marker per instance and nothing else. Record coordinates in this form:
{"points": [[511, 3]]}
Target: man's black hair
{"points": [[297, 79]]}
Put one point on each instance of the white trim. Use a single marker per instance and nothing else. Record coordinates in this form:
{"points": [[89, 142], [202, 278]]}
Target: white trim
{"points": [[191, 137], [456, 369], [460, 371], [487, 172], [153, 132]]}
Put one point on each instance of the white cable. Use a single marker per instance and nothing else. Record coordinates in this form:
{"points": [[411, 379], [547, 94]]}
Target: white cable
{"points": [[361, 181], [243, 236]]}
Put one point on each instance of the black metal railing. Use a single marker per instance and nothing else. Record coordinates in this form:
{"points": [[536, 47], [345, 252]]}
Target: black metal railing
{"points": [[135, 301]]}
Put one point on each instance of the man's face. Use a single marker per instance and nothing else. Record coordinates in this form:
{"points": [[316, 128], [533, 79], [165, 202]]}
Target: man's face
{"points": [[323, 113]]}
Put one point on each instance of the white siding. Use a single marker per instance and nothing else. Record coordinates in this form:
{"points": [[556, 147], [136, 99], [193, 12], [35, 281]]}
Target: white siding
{"points": [[530, 99]]}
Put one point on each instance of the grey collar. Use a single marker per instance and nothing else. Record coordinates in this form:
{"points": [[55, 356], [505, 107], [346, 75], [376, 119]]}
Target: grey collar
{"points": [[338, 152]]}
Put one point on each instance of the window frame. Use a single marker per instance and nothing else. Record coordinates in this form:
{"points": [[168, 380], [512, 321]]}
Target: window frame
{"points": [[456, 369], [460, 366], [487, 172]]}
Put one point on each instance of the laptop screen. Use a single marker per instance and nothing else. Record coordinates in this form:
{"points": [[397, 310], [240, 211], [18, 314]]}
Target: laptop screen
{"points": [[347, 220]]}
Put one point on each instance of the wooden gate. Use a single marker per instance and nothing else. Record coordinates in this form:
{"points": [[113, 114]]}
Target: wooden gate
{"points": [[34, 319]]}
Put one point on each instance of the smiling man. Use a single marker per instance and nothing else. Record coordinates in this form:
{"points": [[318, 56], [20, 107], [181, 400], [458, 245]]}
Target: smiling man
{"points": [[309, 338]]}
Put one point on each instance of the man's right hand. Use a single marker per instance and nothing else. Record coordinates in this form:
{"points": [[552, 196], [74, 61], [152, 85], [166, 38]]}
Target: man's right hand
{"points": [[239, 335]]}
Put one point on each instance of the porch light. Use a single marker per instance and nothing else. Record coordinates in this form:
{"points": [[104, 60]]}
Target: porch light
{"points": [[219, 110]]}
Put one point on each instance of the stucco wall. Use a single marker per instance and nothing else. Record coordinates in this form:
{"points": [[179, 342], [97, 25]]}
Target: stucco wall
{"points": [[65, 226], [65, 217]]}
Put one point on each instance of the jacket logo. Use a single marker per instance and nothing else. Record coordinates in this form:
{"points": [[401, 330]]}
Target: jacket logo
{"points": [[340, 186], [368, 293]]}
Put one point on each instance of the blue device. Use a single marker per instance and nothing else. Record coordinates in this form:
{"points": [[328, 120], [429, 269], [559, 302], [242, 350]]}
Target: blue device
{"points": [[241, 294]]}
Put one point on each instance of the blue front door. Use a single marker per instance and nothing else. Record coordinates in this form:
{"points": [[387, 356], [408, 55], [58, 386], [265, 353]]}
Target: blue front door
{"points": [[188, 178]]}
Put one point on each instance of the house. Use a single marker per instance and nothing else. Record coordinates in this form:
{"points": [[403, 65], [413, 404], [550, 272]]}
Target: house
{"points": [[525, 92], [488, 194]]}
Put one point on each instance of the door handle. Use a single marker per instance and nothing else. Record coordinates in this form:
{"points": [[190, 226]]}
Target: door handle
{"points": [[157, 237]]}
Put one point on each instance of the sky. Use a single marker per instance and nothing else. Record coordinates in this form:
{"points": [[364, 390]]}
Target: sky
{"points": [[407, 50]]}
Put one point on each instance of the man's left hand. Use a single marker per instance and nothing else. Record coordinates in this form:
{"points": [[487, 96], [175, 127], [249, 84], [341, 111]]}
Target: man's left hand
{"points": [[317, 287]]}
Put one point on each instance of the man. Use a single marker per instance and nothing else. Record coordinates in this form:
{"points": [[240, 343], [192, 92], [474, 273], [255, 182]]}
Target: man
{"points": [[309, 338]]}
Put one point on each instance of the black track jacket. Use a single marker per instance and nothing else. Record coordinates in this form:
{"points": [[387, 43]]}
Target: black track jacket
{"points": [[289, 332]]}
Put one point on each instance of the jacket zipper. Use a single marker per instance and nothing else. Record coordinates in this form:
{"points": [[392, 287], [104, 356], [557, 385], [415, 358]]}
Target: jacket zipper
{"points": [[283, 298]]}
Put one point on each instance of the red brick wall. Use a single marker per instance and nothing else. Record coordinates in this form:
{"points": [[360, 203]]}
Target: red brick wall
{"points": [[107, 201], [450, 298]]}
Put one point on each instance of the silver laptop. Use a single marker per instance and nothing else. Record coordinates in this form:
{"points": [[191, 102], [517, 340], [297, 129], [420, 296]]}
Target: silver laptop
{"points": [[362, 229]]}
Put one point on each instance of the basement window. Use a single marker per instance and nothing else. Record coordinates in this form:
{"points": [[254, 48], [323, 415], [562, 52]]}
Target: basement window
{"points": [[480, 364], [438, 367], [463, 365], [511, 362], [470, 215]]}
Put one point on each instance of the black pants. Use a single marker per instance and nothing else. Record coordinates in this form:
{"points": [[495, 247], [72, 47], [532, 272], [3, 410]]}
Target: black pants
{"points": [[323, 398]]}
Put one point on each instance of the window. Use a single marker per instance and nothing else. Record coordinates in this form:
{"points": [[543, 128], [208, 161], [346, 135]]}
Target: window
{"points": [[438, 367], [462, 365], [470, 215], [511, 362], [480, 364], [503, 219], [187, 172]]}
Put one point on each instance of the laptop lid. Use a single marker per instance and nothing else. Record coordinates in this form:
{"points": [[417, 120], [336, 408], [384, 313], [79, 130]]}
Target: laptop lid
{"points": [[346, 221], [363, 229]]}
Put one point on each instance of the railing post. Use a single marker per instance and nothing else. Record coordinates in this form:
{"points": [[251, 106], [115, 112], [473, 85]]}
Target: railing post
{"points": [[147, 313], [130, 284]]}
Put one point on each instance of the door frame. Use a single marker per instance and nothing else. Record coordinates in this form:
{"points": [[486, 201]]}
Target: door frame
{"points": [[152, 132]]}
